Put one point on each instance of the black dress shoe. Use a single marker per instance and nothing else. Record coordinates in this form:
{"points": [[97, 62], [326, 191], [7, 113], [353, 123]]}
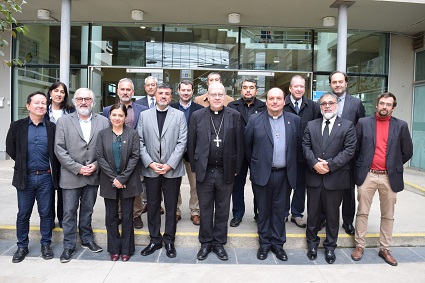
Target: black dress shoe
{"points": [[330, 257], [262, 253], [19, 255], [220, 252], [280, 253], [93, 247], [150, 249], [235, 222], [312, 254], [349, 228], [67, 255], [46, 252], [203, 252], [170, 250]]}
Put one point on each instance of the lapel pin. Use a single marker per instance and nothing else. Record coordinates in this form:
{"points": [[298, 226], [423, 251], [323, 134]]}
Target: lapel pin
{"points": [[289, 122], [339, 125], [123, 142]]}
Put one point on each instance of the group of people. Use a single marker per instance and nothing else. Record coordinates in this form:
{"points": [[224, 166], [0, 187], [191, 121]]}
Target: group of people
{"points": [[138, 151]]}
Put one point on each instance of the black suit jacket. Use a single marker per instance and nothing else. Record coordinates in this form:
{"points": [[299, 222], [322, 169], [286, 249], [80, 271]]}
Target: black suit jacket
{"points": [[338, 151], [353, 109], [259, 147], [239, 106], [143, 101], [399, 150], [17, 145], [309, 110], [199, 142], [130, 165], [137, 108]]}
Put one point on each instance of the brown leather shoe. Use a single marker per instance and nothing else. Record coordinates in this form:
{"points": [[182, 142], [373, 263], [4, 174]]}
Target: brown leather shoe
{"points": [[195, 220], [357, 254], [386, 255], [178, 217]]}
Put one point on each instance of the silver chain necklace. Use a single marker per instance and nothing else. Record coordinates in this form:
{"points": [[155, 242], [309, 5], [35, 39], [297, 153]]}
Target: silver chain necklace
{"points": [[277, 133], [217, 140]]}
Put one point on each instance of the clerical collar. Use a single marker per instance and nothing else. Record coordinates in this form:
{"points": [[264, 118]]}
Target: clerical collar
{"points": [[217, 112], [159, 110], [276, 117]]}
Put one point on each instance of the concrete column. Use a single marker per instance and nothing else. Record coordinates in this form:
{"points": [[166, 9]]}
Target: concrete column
{"points": [[341, 58], [65, 46]]}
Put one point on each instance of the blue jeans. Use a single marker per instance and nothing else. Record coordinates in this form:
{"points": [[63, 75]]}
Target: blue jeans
{"points": [[40, 188], [83, 198]]}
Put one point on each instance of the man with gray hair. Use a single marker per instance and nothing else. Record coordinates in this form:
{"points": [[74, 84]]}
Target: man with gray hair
{"points": [[329, 143], [75, 148], [150, 88]]}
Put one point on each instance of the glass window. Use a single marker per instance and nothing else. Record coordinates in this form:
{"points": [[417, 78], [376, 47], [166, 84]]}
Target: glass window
{"points": [[200, 47], [420, 66], [117, 45], [418, 128], [366, 52], [275, 49], [367, 88], [41, 45]]}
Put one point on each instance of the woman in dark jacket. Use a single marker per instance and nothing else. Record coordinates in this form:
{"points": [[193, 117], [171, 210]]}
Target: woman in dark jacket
{"points": [[118, 150], [58, 104]]}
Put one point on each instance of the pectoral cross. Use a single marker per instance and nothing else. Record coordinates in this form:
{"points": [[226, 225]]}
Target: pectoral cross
{"points": [[217, 141]]}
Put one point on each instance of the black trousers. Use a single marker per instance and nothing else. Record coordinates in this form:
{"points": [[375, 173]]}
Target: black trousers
{"points": [[271, 200], [214, 204], [320, 199], [170, 188], [120, 243], [349, 201]]}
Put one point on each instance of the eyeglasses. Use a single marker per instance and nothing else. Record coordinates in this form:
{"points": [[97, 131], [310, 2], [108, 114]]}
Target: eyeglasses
{"points": [[80, 99], [219, 95], [331, 103], [385, 104]]}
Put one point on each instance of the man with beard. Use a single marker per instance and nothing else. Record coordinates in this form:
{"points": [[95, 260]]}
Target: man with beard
{"points": [[328, 146], [163, 139], [215, 148], [125, 91], [75, 147], [187, 106], [384, 145], [246, 105], [352, 109]]}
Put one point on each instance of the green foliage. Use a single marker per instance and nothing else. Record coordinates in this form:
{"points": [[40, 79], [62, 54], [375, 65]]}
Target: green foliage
{"points": [[9, 24]]}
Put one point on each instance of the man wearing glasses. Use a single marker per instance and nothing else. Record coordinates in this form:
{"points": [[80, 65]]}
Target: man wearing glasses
{"points": [[329, 143], [215, 148], [75, 147]]}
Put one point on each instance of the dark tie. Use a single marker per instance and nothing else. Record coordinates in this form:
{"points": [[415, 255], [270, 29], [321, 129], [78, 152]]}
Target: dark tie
{"points": [[152, 103], [297, 109], [325, 133]]}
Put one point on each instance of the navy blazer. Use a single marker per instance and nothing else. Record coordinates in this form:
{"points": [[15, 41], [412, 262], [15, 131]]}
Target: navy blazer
{"points": [[17, 146], [199, 142], [259, 147], [399, 150], [338, 151], [143, 101], [239, 106], [136, 107]]}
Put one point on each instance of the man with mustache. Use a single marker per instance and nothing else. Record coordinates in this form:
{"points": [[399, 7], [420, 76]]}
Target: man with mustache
{"points": [[75, 148]]}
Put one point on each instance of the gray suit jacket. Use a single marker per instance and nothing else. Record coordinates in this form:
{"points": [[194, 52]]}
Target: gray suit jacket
{"points": [[165, 149], [73, 152]]}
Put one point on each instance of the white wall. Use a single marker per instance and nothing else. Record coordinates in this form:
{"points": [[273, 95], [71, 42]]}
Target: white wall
{"points": [[400, 79], [5, 91]]}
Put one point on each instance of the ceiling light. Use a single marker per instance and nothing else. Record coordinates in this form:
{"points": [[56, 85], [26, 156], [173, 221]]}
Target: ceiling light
{"points": [[142, 27], [234, 18], [137, 15], [43, 14], [329, 21]]}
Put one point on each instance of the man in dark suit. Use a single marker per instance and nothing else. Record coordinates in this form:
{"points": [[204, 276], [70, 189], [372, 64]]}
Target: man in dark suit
{"points": [[187, 106], [307, 110], [215, 148], [30, 143], [352, 109], [384, 145], [150, 89], [328, 146], [271, 139], [125, 91], [163, 140], [247, 105]]}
